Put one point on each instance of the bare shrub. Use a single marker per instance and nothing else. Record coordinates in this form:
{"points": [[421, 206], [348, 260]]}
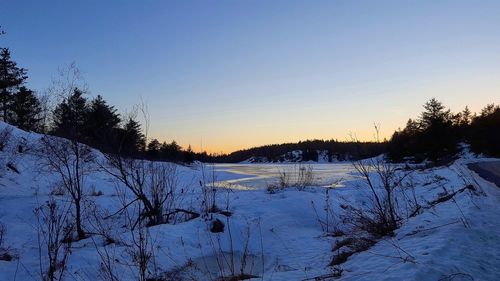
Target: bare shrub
{"points": [[208, 186], [108, 267], [141, 247], [305, 177], [272, 188], [142, 253], [153, 184], [328, 221], [94, 192], [54, 239], [390, 191], [235, 262], [381, 179], [299, 176], [284, 179], [72, 162], [138, 248], [412, 206], [99, 226]]}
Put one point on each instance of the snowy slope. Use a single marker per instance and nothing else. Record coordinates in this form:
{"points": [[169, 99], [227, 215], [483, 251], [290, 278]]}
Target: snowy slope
{"points": [[277, 236], [455, 240]]}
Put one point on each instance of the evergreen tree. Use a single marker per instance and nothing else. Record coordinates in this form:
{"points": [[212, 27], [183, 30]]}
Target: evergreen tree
{"points": [[154, 148], [133, 140], [465, 117], [412, 127], [189, 155], [434, 137], [11, 77], [434, 115], [26, 110], [439, 138], [101, 124], [70, 116], [484, 132], [171, 151], [488, 110]]}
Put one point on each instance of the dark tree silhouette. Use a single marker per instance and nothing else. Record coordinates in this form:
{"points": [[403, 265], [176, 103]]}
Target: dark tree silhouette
{"points": [[11, 78], [101, 124], [133, 141], [70, 116], [334, 149], [153, 149], [26, 110], [484, 135], [438, 139], [435, 136], [171, 151], [435, 115], [189, 155]]}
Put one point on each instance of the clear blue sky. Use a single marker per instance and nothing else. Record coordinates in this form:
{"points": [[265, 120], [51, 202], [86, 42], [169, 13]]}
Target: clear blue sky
{"points": [[234, 74]]}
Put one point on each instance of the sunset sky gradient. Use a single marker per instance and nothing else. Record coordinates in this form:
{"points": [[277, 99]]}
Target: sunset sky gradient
{"points": [[226, 75]]}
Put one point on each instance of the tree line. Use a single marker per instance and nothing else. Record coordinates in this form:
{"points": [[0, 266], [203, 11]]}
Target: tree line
{"points": [[310, 149], [437, 133]]}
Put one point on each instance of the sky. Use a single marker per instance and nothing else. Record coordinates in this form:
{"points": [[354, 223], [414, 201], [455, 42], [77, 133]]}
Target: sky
{"points": [[226, 75]]}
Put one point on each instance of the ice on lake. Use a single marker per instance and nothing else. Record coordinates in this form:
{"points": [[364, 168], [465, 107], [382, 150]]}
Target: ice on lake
{"points": [[260, 176]]}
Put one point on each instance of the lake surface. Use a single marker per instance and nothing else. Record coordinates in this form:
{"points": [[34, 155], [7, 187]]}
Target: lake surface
{"points": [[260, 176]]}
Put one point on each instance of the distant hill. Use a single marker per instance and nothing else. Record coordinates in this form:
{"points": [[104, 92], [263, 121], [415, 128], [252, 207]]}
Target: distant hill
{"points": [[322, 151]]}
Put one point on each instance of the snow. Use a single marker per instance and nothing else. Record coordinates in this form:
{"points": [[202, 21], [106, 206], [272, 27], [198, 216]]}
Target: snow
{"points": [[439, 242], [279, 234]]}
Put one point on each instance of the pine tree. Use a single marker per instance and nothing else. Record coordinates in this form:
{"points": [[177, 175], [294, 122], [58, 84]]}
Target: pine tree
{"points": [[26, 110], [133, 140], [434, 114], [466, 117], [11, 77], [484, 134], [189, 155], [171, 151], [434, 137], [412, 127], [69, 117], [154, 148], [101, 123]]}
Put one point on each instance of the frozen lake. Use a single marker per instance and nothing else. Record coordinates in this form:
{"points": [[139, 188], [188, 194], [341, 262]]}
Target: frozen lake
{"points": [[259, 176]]}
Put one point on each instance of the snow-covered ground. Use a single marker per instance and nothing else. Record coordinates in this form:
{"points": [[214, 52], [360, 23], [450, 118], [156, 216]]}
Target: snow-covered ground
{"points": [[272, 236]]}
